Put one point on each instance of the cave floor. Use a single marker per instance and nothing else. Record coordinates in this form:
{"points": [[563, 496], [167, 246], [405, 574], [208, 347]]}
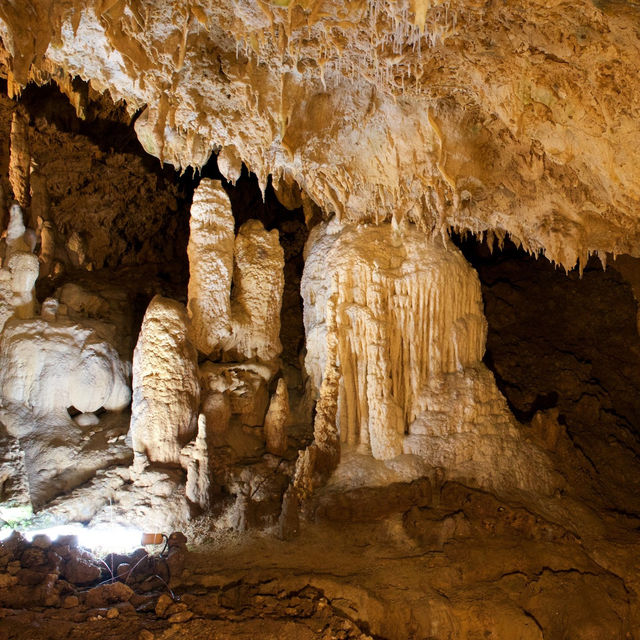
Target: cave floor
{"points": [[469, 565]]}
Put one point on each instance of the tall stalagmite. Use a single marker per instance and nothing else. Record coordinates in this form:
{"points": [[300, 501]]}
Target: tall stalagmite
{"points": [[258, 281], [210, 252], [166, 392]]}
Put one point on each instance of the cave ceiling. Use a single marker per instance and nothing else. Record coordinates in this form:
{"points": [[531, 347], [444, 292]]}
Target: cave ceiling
{"points": [[514, 118]]}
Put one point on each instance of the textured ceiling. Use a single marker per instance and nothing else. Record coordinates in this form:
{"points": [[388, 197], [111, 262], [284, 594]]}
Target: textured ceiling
{"points": [[512, 117]]}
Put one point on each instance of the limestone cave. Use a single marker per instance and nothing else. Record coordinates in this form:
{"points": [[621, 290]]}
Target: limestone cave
{"points": [[319, 320]]}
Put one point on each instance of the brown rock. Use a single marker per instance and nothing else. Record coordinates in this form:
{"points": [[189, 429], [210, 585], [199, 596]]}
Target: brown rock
{"points": [[80, 570], [183, 616], [106, 594], [32, 557], [145, 635], [70, 602], [41, 541], [164, 602], [7, 580], [176, 607], [112, 613]]}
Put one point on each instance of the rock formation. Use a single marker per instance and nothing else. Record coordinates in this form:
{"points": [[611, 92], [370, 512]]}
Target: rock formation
{"points": [[275, 422], [210, 249], [406, 318], [443, 426], [52, 366], [165, 383], [257, 296]]}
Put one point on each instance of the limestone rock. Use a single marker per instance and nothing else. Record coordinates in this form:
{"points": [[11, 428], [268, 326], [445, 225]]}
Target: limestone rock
{"points": [[258, 281], [210, 250], [50, 366], [195, 460], [107, 594], [275, 422], [24, 269], [20, 159], [406, 309], [238, 390], [15, 500], [399, 319], [166, 392]]}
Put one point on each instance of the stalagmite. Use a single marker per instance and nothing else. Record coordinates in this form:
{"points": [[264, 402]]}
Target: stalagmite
{"points": [[195, 459], [406, 309], [165, 383], [211, 245], [20, 158], [15, 501], [258, 281], [19, 272], [275, 422], [24, 268]]}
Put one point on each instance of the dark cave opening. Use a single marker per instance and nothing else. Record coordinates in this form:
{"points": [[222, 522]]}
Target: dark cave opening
{"points": [[567, 345]]}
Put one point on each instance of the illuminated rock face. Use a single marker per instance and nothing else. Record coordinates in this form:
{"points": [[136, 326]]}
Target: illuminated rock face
{"points": [[406, 315], [210, 267], [257, 296], [244, 324], [407, 310], [166, 392], [51, 366], [377, 109]]}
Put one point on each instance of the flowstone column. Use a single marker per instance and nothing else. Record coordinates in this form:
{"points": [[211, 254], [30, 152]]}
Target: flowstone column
{"points": [[407, 309]]}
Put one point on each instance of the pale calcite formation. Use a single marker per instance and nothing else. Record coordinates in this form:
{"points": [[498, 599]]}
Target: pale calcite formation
{"points": [[166, 392], [49, 367], [15, 499], [246, 324], [275, 422], [210, 250], [406, 309], [195, 460], [234, 390], [258, 279], [19, 272], [395, 339]]}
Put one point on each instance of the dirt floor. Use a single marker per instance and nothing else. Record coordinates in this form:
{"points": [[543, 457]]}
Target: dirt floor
{"points": [[449, 563]]}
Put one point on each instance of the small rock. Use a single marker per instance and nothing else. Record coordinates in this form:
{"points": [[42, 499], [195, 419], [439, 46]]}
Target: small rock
{"points": [[145, 635], [70, 541], [41, 541], [70, 601], [183, 616], [56, 563], [80, 570], [108, 594], [112, 613], [32, 557], [123, 569], [176, 607], [164, 602], [14, 545], [7, 580]]}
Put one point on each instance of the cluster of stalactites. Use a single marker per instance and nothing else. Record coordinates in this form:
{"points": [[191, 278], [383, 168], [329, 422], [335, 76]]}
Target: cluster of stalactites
{"points": [[381, 41]]}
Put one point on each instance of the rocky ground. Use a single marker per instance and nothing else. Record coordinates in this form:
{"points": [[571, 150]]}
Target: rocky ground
{"points": [[415, 560]]}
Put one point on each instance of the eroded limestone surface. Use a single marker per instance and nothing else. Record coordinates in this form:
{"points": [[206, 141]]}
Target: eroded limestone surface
{"points": [[363, 475]]}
